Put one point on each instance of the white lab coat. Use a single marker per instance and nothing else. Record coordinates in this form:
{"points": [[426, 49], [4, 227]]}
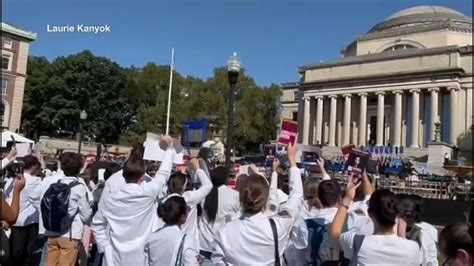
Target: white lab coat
{"points": [[28, 213], [228, 207], [169, 246], [429, 240], [193, 198], [249, 239], [126, 218]]}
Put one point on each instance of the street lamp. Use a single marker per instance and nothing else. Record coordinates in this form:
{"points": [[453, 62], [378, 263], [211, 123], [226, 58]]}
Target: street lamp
{"points": [[233, 68], [83, 116]]}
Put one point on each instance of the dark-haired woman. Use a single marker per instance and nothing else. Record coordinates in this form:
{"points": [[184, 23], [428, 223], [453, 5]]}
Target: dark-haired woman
{"points": [[169, 244], [410, 209], [177, 185], [455, 244], [385, 246], [220, 206], [250, 239]]}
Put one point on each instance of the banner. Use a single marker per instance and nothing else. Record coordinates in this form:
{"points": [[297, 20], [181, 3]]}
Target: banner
{"points": [[288, 132]]}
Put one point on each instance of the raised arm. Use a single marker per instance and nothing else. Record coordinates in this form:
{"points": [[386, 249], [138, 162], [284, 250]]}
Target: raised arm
{"points": [[324, 173], [10, 157], [163, 174], [10, 213], [195, 197], [339, 219], [289, 212], [366, 185], [273, 203]]}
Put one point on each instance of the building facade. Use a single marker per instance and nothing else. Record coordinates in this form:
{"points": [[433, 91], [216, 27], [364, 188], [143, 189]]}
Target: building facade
{"points": [[15, 48], [392, 84]]}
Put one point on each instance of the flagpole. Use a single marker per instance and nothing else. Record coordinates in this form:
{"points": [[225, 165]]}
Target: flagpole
{"points": [[169, 92]]}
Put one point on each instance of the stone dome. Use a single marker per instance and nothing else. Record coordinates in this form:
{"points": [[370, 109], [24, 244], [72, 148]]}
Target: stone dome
{"points": [[421, 15]]}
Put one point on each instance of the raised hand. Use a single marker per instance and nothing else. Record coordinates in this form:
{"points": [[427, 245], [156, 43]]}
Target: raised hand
{"points": [[12, 154], [352, 187], [20, 183], [292, 149], [168, 140]]}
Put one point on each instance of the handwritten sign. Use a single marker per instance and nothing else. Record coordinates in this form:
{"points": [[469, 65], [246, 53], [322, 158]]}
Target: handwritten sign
{"points": [[288, 132]]}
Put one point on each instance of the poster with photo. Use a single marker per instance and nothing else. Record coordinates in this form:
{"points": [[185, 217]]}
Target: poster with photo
{"points": [[357, 161]]}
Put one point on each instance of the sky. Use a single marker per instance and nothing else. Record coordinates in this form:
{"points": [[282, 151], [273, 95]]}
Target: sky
{"points": [[271, 37]]}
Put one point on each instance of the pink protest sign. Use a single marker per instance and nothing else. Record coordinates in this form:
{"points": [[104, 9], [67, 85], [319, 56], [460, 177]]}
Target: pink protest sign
{"points": [[288, 132]]}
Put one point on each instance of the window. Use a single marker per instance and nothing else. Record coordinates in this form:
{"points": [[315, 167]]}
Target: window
{"points": [[6, 61], [294, 116], [295, 95], [4, 86], [399, 47], [7, 43]]}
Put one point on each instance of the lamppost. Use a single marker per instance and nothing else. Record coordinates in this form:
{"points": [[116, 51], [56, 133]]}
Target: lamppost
{"points": [[233, 68], [83, 116]]}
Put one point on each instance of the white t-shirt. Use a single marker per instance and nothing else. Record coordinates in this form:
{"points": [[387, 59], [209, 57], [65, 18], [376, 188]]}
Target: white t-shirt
{"points": [[382, 250]]}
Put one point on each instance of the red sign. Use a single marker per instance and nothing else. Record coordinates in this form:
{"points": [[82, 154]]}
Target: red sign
{"points": [[288, 132]]}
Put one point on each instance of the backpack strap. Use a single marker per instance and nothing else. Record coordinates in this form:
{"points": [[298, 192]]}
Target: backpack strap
{"points": [[356, 245], [275, 240], [179, 257]]}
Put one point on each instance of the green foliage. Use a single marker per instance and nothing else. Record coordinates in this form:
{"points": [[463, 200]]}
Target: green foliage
{"points": [[124, 103]]}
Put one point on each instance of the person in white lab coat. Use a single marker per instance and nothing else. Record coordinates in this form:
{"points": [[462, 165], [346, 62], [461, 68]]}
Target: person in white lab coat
{"points": [[177, 184], [167, 245], [126, 218], [24, 237], [250, 240], [220, 206], [410, 209], [387, 246]]}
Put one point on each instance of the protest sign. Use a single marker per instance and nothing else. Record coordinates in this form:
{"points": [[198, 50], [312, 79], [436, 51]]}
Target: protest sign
{"points": [[154, 149], [288, 132], [357, 161]]}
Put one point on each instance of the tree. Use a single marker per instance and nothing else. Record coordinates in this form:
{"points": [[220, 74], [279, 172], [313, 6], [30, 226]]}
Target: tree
{"points": [[57, 92]]}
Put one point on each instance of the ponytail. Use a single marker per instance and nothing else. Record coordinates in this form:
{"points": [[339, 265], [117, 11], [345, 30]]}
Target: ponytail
{"points": [[218, 178]]}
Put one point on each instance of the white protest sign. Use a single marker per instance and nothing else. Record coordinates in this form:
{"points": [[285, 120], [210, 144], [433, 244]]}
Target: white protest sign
{"points": [[155, 152]]}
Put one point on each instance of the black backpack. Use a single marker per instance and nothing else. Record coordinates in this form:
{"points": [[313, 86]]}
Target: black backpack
{"points": [[55, 205]]}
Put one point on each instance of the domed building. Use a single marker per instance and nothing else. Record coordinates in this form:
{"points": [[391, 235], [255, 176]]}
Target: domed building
{"points": [[392, 84]]}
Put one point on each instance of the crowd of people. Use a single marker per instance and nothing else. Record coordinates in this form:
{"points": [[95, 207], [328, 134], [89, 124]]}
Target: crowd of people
{"points": [[188, 215]]}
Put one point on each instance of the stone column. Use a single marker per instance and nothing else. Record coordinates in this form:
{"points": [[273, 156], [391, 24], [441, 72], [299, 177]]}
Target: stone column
{"points": [[363, 119], [434, 112], [397, 127], [332, 120], [468, 109], [306, 122], [415, 116], [319, 119], [380, 117], [347, 119], [453, 134]]}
